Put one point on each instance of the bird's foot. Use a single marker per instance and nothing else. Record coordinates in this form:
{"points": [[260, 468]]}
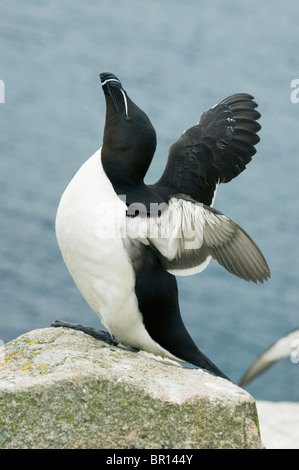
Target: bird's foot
{"points": [[97, 334]]}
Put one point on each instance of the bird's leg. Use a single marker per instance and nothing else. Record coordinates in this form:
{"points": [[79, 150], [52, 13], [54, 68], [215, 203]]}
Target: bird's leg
{"points": [[97, 334]]}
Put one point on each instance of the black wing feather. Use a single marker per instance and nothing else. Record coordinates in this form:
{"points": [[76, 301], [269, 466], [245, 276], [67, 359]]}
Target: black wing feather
{"points": [[214, 151]]}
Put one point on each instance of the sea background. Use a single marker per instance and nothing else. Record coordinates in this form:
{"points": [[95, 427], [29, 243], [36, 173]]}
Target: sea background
{"points": [[175, 59]]}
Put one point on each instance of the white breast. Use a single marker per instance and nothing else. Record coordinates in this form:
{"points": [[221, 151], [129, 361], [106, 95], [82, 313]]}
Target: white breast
{"points": [[90, 224]]}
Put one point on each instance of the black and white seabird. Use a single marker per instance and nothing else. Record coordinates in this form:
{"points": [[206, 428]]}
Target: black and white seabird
{"points": [[124, 241]]}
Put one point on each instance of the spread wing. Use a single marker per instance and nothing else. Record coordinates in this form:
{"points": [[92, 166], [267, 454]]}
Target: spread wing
{"points": [[284, 347], [214, 151], [187, 234]]}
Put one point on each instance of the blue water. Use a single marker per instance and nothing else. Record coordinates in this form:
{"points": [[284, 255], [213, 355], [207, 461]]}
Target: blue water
{"points": [[175, 59]]}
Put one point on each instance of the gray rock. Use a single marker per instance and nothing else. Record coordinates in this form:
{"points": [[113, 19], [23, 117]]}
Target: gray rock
{"points": [[61, 388]]}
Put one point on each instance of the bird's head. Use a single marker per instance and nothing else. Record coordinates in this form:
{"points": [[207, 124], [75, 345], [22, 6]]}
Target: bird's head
{"points": [[129, 140]]}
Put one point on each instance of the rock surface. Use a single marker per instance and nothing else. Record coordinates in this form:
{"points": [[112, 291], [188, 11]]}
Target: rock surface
{"points": [[61, 388]]}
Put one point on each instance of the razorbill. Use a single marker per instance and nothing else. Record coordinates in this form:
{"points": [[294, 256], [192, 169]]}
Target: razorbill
{"points": [[286, 346], [124, 241]]}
